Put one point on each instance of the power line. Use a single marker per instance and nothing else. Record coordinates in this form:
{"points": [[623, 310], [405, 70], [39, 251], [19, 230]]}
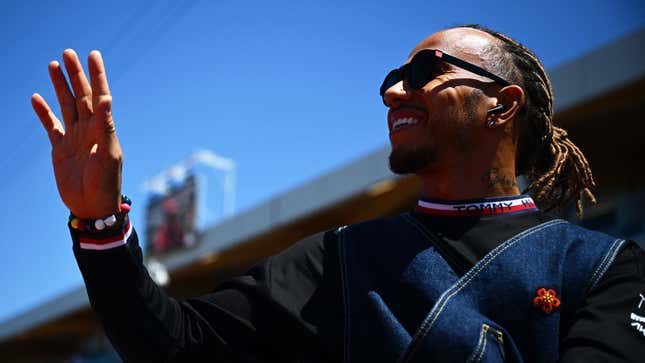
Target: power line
{"points": [[173, 12]]}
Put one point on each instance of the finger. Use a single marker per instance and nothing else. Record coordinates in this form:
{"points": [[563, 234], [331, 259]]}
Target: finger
{"points": [[47, 118], [98, 77], [101, 97], [80, 85], [63, 93]]}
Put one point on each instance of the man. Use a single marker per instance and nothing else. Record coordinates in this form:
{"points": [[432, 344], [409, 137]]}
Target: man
{"points": [[475, 273]]}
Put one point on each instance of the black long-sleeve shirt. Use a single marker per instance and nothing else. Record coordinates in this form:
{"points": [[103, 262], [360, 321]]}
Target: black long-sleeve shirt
{"points": [[288, 308]]}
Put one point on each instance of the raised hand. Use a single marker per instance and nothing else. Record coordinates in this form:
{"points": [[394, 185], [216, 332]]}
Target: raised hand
{"points": [[86, 154]]}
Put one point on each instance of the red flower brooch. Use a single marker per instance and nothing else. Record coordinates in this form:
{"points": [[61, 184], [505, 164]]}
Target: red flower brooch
{"points": [[546, 300]]}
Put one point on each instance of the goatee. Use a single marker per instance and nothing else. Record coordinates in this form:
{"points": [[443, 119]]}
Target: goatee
{"points": [[409, 160]]}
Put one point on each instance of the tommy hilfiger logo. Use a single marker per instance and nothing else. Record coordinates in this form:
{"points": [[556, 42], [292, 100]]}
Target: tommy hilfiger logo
{"points": [[488, 206], [546, 300]]}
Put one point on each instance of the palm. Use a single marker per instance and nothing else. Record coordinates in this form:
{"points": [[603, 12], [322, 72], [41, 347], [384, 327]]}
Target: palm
{"points": [[86, 154]]}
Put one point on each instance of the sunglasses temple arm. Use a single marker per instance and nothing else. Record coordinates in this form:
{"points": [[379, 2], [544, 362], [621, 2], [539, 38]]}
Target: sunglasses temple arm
{"points": [[473, 68]]}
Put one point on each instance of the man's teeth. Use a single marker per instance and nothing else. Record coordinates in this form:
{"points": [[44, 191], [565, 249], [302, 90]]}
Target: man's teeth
{"points": [[404, 121]]}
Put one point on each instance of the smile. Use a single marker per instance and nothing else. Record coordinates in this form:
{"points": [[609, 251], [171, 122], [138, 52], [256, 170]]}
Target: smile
{"points": [[404, 118], [403, 122]]}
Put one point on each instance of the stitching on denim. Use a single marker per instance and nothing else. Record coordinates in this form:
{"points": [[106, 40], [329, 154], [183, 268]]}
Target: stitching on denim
{"points": [[481, 354], [465, 280], [601, 265], [605, 263], [344, 275], [481, 344], [443, 300]]}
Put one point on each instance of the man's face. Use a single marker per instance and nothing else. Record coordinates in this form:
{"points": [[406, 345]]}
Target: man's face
{"points": [[440, 123]]}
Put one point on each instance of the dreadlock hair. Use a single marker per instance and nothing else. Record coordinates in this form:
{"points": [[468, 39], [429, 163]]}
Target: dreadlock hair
{"points": [[556, 170]]}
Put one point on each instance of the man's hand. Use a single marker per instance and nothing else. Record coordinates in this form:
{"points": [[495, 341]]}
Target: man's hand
{"points": [[86, 153]]}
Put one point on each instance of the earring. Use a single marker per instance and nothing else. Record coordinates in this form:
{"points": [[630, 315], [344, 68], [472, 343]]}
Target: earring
{"points": [[490, 123]]}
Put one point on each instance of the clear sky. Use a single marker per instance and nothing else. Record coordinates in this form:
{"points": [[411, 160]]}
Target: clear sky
{"points": [[288, 89]]}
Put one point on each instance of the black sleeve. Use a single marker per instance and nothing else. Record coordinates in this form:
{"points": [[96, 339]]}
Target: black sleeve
{"points": [[610, 327], [273, 313]]}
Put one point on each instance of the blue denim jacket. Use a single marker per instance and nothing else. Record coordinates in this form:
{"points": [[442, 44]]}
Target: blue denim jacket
{"points": [[404, 303]]}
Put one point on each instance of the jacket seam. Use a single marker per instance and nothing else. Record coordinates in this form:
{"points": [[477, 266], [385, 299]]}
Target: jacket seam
{"points": [[344, 275], [445, 297], [606, 261], [476, 355]]}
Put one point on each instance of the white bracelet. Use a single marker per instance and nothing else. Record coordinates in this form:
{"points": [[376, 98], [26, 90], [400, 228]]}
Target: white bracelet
{"points": [[100, 224]]}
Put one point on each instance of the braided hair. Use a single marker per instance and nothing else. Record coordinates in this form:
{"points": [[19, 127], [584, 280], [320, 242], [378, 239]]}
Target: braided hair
{"points": [[557, 171]]}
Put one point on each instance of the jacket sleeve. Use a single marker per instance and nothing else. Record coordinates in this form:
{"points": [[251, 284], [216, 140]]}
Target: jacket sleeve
{"points": [[608, 327], [141, 321], [246, 319]]}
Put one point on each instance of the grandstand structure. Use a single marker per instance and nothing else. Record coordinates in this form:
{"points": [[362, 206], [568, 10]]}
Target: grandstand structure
{"points": [[600, 100]]}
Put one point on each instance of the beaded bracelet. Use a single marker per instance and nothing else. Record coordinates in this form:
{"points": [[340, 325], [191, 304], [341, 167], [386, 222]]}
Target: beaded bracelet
{"points": [[97, 225]]}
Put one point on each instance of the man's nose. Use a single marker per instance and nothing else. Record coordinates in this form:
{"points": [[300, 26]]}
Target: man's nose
{"points": [[396, 94]]}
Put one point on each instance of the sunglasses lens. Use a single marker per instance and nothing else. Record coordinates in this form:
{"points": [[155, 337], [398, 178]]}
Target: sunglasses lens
{"points": [[390, 80], [422, 69], [417, 73]]}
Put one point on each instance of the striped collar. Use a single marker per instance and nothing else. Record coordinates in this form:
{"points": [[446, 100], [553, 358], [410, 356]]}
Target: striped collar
{"points": [[478, 207]]}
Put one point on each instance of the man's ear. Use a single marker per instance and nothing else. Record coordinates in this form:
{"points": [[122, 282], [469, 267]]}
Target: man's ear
{"points": [[512, 98]]}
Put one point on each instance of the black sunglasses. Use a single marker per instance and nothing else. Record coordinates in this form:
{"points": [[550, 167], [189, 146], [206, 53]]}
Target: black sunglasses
{"points": [[423, 68]]}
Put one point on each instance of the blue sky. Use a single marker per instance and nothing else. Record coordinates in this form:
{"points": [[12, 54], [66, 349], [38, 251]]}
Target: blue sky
{"points": [[287, 89]]}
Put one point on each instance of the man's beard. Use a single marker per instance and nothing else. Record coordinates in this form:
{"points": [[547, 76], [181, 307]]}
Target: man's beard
{"points": [[413, 159], [410, 160]]}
